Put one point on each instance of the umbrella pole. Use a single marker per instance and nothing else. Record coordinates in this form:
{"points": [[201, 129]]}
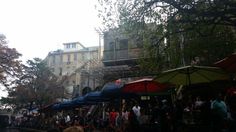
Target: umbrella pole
{"points": [[173, 97], [103, 110], [146, 87], [189, 81], [178, 91]]}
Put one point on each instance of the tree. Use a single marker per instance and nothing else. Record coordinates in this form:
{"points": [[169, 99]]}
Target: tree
{"points": [[10, 65], [176, 32], [198, 12], [193, 12], [37, 85]]}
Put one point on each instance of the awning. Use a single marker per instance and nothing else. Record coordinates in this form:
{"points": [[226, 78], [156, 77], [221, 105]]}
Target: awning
{"points": [[228, 63], [95, 97], [144, 86]]}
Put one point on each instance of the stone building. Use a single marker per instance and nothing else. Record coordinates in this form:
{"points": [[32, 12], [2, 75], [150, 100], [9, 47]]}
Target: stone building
{"points": [[120, 56], [75, 64]]}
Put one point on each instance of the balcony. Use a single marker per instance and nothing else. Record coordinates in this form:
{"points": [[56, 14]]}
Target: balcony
{"points": [[121, 57]]}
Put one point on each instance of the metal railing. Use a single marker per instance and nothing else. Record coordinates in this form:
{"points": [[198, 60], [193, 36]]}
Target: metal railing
{"points": [[113, 55]]}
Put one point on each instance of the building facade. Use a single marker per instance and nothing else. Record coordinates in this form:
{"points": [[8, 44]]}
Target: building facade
{"points": [[120, 56], [119, 49], [75, 63]]}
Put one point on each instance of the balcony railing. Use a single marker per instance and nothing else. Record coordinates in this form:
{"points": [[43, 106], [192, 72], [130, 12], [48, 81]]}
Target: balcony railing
{"points": [[115, 55]]}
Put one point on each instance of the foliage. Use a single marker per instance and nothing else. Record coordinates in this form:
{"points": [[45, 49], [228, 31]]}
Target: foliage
{"points": [[37, 85], [175, 32], [10, 65]]}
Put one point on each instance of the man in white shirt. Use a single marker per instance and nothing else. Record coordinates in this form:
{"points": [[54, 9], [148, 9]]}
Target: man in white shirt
{"points": [[67, 119], [136, 110]]}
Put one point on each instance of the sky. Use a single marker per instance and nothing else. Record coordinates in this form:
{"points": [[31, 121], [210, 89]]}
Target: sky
{"points": [[36, 27]]}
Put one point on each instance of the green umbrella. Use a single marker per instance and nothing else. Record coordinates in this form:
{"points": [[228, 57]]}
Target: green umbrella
{"points": [[192, 75]]}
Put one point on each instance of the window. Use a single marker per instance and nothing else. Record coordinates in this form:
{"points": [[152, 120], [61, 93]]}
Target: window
{"points": [[75, 57], [136, 42], [123, 44], [53, 59], [68, 58], [61, 58], [139, 42], [73, 45], [83, 57], [111, 46], [68, 46], [60, 73]]}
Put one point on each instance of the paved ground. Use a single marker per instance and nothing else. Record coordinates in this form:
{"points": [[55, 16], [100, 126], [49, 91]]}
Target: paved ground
{"points": [[18, 130], [9, 130]]}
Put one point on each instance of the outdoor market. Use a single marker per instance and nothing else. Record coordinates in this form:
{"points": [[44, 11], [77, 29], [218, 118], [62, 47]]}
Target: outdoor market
{"points": [[191, 98]]}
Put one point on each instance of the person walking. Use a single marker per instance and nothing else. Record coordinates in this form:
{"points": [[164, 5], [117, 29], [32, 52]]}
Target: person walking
{"points": [[112, 118], [165, 117], [219, 113], [136, 108]]}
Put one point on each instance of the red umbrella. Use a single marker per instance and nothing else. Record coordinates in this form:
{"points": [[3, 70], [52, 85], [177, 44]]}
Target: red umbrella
{"points": [[143, 86], [231, 91], [228, 63]]}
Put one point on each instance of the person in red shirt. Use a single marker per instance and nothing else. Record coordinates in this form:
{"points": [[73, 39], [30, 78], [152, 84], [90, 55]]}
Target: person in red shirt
{"points": [[112, 118]]}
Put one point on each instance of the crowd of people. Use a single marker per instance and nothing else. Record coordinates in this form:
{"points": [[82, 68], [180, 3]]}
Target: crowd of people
{"points": [[159, 115]]}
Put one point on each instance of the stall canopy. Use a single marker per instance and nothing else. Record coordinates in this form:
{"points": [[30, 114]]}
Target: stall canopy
{"points": [[56, 106], [228, 63], [95, 97], [80, 101], [111, 90], [144, 86], [46, 108], [66, 105], [192, 75]]}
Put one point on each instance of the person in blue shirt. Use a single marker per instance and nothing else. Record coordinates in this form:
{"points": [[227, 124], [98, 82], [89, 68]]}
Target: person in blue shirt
{"points": [[219, 112]]}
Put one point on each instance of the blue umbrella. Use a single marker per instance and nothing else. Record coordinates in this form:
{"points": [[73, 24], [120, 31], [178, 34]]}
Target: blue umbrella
{"points": [[80, 101], [95, 97], [56, 106], [111, 90], [63, 105], [66, 105], [47, 107]]}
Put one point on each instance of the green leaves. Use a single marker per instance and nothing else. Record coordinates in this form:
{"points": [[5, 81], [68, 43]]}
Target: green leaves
{"points": [[37, 84], [10, 65], [175, 33]]}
